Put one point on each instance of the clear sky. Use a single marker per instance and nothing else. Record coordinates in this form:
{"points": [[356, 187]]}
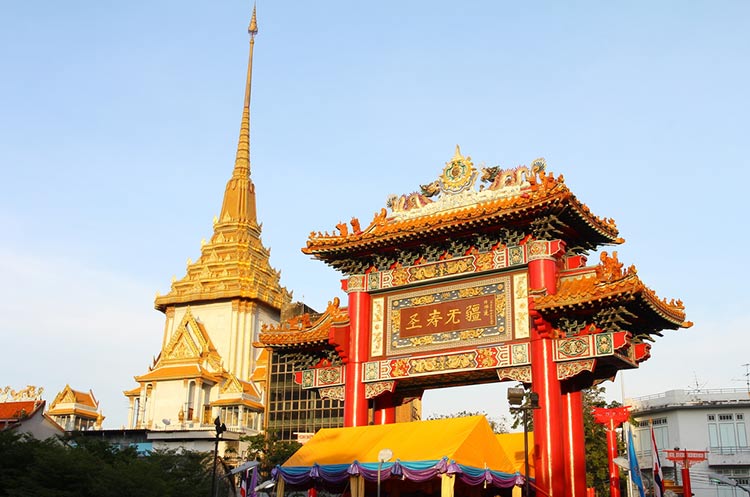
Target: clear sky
{"points": [[119, 122]]}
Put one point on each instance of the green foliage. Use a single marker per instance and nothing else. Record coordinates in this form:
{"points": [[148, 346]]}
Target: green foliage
{"points": [[497, 425], [597, 460], [89, 467], [267, 449]]}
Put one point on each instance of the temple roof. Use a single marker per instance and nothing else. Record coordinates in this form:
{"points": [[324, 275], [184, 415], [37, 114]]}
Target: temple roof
{"points": [[67, 395], [611, 295], [302, 331], [526, 201], [234, 263], [179, 372], [17, 410], [190, 353]]}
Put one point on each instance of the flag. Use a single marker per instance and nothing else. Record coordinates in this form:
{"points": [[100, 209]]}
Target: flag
{"points": [[656, 466], [635, 470], [253, 483], [243, 483]]}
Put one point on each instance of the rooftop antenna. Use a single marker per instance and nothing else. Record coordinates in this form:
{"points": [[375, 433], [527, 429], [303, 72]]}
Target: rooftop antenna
{"points": [[697, 386], [746, 374]]}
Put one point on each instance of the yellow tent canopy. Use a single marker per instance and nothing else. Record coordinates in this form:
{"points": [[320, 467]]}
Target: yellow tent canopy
{"points": [[468, 441], [452, 451], [512, 444]]}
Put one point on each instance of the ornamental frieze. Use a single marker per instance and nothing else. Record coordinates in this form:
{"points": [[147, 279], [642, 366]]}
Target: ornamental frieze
{"points": [[569, 369], [372, 390], [332, 393], [322, 377], [520, 373], [503, 257], [501, 356], [595, 345]]}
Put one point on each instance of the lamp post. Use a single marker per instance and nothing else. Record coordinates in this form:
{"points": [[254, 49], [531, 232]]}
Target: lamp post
{"points": [[220, 428], [383, 455], [516, 398], [686, 458]]}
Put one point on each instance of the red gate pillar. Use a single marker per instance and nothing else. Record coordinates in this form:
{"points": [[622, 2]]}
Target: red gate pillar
{"points": [[549, 460], [574, 444], [355, 403], [384, 410], [612, 418]]}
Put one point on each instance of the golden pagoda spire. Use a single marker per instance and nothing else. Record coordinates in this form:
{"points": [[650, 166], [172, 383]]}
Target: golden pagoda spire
{"points": [[233, 263], [239, 196]]}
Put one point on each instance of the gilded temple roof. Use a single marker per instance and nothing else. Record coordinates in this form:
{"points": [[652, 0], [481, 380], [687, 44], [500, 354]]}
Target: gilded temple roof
{"points": [[234, 263], [618, 290], [69, 396], [302, 330], [190, 353], [527, 199]]}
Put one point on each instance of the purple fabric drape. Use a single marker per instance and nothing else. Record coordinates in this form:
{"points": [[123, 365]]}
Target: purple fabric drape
{"points": [[414, 471]]}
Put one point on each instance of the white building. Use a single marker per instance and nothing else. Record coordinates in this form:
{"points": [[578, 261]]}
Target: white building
{"points": [[208, 365], [697, 420]]}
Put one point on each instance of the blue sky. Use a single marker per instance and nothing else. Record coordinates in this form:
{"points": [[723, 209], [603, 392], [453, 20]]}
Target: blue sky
{"points": [[119, 124]]}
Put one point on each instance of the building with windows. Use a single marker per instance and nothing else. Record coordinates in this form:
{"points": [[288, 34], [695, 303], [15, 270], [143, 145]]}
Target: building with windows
{"points": [[295, 409], [714, 421]]}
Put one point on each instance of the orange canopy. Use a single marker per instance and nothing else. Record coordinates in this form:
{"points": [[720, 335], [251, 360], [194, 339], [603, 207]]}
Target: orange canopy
{"points": [[468, 441], [512, 444]]}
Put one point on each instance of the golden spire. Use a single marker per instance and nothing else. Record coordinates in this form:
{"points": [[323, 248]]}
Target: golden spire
{"points": [[233, 263], [239, 196]]}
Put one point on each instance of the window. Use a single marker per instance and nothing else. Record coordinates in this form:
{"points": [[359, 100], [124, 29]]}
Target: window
{"points": [[642, 436], [728, 433]]}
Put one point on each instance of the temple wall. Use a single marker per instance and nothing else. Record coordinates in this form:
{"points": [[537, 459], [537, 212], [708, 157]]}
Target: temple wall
{"points": [[166, 401]]}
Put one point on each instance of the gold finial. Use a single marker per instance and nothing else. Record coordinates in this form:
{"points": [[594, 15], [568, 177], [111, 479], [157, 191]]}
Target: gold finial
{"points": [[253, 28], [239, 196], [457, 155]]}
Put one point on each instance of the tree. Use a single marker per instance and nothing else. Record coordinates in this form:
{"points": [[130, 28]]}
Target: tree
{"points": [[267, 449], [497, 425], [86, 467], [597, 459]]}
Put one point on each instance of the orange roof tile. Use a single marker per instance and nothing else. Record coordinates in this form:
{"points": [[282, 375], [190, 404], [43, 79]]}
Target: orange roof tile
{"points": [[69, 396], [300, 331], [462, 214], [608, 283], [178, 373], [14, 411], [132, 393], [238, 401]]}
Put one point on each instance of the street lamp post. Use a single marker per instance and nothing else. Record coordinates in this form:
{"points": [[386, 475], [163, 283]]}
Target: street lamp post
{"points": [[383, 456], [220, 428], [516, 398]]}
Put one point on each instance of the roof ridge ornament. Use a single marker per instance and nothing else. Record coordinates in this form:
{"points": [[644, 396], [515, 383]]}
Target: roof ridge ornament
{"points": [[454, 188]]}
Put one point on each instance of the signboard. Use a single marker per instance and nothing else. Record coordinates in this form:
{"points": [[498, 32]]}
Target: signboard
{"points": [[470, 313]]}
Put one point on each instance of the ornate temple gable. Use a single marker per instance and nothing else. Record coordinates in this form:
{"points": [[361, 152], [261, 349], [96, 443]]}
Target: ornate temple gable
{"points": [[69, 396], [237, 392], [81, 404], [234, 264], [610, 298], [450, 215], [189, 342]]}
